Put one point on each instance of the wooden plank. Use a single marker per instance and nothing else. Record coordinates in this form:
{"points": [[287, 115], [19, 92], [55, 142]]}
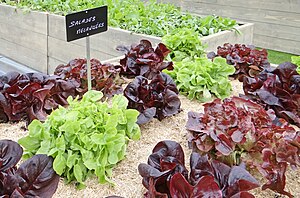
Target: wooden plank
{"points": [[53, 63], [8, 65], [275, 5], [177, 3], [105, 42], [32, 21], [277, 19], [215, 40], [64, 52], [277, 44], [25, 56], [57, 27], [115, 60], [269, 16], [278, 31], [25, 38]]}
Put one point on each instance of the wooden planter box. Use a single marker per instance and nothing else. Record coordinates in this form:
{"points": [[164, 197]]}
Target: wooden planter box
{"points": [[103, 46], [23, 37], [38, 39]]}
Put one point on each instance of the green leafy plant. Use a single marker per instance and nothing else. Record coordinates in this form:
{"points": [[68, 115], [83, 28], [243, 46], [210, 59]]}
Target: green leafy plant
{"points": [[150, 18], [184, 43], [296, 61], [87, 137], [202, 78], [195, 75]]}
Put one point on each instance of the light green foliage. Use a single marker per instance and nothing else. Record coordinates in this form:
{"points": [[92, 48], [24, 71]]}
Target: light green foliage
{"points": [[87, 137], [200, 78], [296, 61], [150, 18], [194, 74], [184, 44]]}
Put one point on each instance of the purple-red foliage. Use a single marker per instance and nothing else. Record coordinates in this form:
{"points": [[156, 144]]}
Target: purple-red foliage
{"points": [[105, 77], [239, 130], [278, 90], [144, 60], [34, 177], [32, 95], [157, 98], [165, 175], [247, 60]]}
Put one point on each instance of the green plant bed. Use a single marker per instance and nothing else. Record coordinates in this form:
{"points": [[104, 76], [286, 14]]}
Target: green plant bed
{"points": [[125, 175], [151, 18]]}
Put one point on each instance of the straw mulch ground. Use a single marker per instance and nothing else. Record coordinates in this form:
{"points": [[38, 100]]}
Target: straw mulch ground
{"points": [[125, 175]]}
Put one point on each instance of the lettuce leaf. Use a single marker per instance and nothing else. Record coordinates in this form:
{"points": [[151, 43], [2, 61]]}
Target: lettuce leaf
{"points": [[155, 99], [165, 175], [203, 79], [278, 90], [87, 137], [247, 60], [238, 130], [34, 177]]}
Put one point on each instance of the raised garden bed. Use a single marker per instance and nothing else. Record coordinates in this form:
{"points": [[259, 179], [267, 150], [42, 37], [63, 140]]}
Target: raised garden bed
{"points": [[23, 37], [7, 65], [39, 39], [125, 175], [89, 137]]}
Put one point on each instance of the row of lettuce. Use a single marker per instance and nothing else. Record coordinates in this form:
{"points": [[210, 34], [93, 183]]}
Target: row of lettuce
{"points": [[88, 132], [226, 138], [147, 17], [251, 130]]}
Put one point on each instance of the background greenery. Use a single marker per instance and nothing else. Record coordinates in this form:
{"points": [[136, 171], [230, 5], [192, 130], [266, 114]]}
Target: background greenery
{"points": [[277, 57], [150, 18]]}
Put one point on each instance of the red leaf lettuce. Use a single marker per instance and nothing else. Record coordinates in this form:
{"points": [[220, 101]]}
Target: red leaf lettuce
{"points": [[143, 60], [165, 175], [34, 178], [278, 90], [157, 98], [32, 95], [247, 60], [238, 130], [105, 77]]}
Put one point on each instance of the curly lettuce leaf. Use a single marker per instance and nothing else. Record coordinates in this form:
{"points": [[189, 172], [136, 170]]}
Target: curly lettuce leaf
{"points": [[203, 79], [89, 136]]}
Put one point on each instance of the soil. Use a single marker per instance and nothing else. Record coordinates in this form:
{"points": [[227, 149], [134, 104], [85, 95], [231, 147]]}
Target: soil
{"points": [[125, 175]]}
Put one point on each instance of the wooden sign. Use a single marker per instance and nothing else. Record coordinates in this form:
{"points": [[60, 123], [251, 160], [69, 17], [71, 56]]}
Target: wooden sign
{"points": [[86, 23]]}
